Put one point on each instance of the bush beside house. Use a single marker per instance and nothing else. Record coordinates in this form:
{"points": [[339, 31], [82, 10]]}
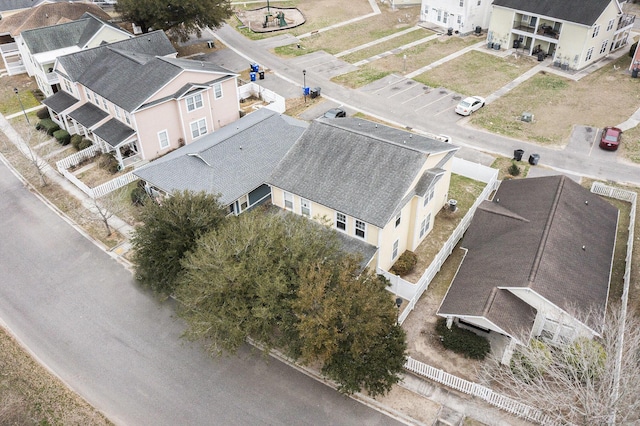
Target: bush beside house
{"points": [[47, 125], [62, 136], [462, 341], [405, 263]]}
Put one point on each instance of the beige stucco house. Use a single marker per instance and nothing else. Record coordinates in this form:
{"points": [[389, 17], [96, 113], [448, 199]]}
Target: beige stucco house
{"points": [[135, 99], [574, 33], [373, 183], [538, 259], [32, 15]]}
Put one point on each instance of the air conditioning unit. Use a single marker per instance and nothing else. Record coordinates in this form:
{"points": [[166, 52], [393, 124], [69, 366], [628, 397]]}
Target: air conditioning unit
{"points": [[527, 117]]}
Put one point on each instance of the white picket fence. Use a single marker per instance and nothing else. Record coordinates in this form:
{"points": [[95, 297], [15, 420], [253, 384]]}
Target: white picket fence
{"points": [[413, 291], [77, 158], [100, 190], [498, 400]]}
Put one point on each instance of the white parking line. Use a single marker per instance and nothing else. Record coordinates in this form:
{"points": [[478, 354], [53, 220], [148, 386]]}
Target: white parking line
{"points": [[595, 137], [415, 97], [444, 110], [433, 102], [409, 87]]}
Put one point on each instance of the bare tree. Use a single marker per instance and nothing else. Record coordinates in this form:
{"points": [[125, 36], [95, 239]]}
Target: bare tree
{"points": [[592, 382], [33, 139], [109, 206]]}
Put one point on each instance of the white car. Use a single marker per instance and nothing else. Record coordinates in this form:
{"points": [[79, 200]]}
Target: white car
{"points": [[469, 105]]}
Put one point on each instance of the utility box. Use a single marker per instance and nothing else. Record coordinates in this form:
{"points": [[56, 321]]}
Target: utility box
{"points": [[527, 117]]}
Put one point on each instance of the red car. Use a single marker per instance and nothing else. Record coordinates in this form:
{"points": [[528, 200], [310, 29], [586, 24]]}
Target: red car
{"points": [[610, 138]]}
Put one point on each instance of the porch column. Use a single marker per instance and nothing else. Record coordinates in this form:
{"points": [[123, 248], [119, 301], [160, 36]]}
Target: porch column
{"points": [[508, 352]]}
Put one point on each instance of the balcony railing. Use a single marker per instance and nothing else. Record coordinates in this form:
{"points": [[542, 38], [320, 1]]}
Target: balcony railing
{"points": [[52, 77], [8, 48], [625, 21]]}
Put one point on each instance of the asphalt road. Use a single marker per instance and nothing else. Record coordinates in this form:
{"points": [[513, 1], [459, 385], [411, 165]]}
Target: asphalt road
{"points": [[81, 314], [404, 102]]}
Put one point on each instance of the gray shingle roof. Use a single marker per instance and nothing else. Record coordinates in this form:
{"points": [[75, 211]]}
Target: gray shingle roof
{"points": [[60, 101], [231, 161], [114, 132], [355, 166], [584, 12], [126, 74], [74, 33], [532, 236], [88, 114], [154, 43]]}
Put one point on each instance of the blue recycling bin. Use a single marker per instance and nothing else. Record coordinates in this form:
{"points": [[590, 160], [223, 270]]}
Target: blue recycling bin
{"points": [[252, 75], [255, 67], [305, 91]]}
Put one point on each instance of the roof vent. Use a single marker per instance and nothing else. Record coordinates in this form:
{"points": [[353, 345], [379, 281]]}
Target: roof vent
{"points": [[202, 64], [584, 247], [587, 202]]}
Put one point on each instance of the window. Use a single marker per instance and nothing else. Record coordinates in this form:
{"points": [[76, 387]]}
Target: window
{"points": [[589, 53], [479, 2], [341, 221], [439, 15], [596, 30], [424, 225], [394, 254], [104, 103], [459, 19], [127, 117], [305, 207], [446, 15], [461, 3], [117, 111], [604, 46], [361, 228], [198, 128], [288, 201], [194, 102], [97, 99], [217, 90], [88, 92], [428, 196], [610, 25], [163, 137], [67, 85], [398, 219]]}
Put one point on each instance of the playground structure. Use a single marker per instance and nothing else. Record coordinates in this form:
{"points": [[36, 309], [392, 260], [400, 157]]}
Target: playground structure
{"points": [[268, 19]]}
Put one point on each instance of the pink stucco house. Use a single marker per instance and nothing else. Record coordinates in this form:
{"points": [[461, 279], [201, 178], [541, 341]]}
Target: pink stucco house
{"points": [[135, 99]]}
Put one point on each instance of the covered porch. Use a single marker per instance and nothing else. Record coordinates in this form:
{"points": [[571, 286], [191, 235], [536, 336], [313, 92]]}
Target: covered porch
{"points": [[120, 139], [59, 106]]}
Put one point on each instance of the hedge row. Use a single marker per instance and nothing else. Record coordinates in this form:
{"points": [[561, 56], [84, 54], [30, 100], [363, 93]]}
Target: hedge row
{"points": [[48, 125], [462, 341]]}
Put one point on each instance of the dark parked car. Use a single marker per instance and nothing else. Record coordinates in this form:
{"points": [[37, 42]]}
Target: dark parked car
{"points": [[335, 113], [610, 138]]}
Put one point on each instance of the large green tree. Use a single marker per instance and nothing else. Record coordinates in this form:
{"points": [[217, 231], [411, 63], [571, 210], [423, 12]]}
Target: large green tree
{"points": [[168, 231], [180, 17], [283, 281]]}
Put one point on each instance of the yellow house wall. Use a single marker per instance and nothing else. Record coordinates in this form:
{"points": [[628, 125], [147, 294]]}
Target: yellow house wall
{"points": [[107, 34], [501, 23], [407, 232]]}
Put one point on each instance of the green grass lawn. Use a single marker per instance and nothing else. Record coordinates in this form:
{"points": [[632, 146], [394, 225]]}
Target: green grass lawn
{"points": [[11, 105]]}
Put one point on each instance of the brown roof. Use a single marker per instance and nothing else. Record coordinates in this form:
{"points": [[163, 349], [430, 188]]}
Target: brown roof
{"points": [[547, 234], [48, 14]]}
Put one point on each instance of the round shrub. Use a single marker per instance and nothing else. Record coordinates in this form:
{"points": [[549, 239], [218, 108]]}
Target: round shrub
{"points": [[462, 341], [84, 144], [405, 263], [75, 141], [43, 113], [139, 196], [48, 125], [514, 170], [108, 162], [62, 136]]}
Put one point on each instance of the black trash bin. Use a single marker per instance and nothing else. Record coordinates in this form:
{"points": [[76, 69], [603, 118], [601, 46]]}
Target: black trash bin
{"points": [[634, 73], [540, 56], [517, 154], [478, 30], [450, 31], [261, 74], [533, 159], [516, 44], [315, 92]]}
